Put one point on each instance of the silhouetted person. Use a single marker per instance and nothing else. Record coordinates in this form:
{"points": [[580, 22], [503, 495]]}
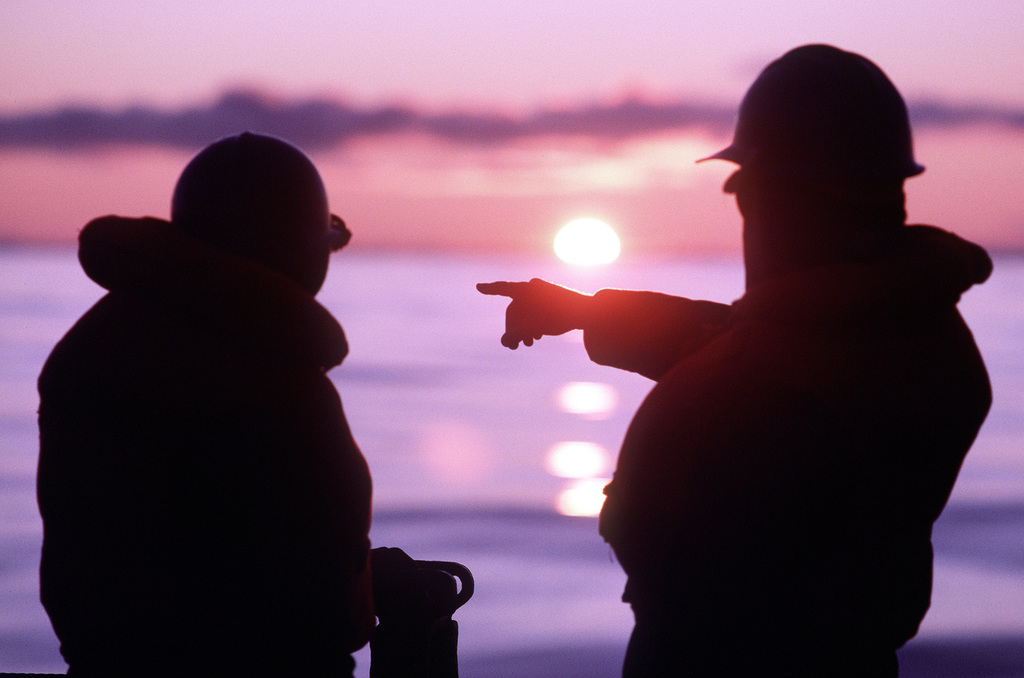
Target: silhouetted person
{"points": [[775, 492], [205, 507]]}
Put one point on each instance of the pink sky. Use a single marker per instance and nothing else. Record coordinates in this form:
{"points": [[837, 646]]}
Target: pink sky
{"points": [[460, 65]]}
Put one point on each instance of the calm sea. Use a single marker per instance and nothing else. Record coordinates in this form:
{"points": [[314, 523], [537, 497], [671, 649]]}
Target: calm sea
{"points": [[483, 456]]}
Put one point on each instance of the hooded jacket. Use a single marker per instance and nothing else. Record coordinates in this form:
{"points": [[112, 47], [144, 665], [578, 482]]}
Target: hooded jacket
{"points": [[775, 492], [205, 507]]}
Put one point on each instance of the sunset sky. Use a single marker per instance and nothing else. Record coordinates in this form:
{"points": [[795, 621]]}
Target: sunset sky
{"points": [[484, 124]]}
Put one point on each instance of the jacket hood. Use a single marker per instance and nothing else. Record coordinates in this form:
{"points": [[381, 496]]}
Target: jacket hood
{"points": [[928, 268], [248, 302]]}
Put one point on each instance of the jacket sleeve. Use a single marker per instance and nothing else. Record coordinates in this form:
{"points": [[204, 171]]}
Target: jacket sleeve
{"points": [[649, 332]]}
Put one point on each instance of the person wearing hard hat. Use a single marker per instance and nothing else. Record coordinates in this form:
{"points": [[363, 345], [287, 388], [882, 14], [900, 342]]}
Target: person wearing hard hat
{"points": [[774, 496], [205, 507]]}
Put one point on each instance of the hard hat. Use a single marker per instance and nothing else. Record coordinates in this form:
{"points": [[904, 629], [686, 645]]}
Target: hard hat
{"points": [[821, 111], [256, 196]]}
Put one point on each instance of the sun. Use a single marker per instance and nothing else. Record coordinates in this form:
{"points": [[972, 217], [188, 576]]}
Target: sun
{"points": [[587, 242]]}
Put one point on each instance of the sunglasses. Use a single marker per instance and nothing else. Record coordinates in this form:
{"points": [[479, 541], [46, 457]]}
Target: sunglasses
{"points": [[339, 235]]}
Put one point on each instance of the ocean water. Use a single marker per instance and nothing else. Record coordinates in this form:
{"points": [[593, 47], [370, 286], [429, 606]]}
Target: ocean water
{"points": [[480, 454]]}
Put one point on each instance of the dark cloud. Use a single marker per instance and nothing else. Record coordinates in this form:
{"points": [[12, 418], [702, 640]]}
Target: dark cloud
{"points": [[321, 123], [312, 124], [933, 113]]}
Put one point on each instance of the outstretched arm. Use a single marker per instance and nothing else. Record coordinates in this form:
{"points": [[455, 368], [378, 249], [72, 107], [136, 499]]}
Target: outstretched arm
{"points": [[538, 308], [643, 332]]}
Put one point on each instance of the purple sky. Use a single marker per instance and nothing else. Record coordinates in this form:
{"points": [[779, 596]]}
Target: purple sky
{"points": [[441, 122]]}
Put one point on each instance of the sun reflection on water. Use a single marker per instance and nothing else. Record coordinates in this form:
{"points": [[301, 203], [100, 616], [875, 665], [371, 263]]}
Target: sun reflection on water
{"points": [[585, 464], [588, 399], [577, 459], [582, 497]]}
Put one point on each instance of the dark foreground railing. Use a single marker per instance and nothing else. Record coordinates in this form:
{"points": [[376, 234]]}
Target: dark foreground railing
{"points": [[416, 636], [415, 599]]}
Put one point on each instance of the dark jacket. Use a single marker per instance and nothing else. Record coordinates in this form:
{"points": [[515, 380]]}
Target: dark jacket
{"points": [[776, 490], [205, 507]]}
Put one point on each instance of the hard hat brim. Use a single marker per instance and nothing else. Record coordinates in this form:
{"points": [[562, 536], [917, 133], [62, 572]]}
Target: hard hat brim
{"points": [[730, 153], [734, 154]]}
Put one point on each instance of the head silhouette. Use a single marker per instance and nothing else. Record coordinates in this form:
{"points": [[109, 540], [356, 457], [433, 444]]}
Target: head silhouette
{"points": [[260, 198], [819, 111], [824, 144]]}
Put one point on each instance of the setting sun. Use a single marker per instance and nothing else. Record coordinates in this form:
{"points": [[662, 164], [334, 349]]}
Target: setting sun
{"points": [[587, 242]]}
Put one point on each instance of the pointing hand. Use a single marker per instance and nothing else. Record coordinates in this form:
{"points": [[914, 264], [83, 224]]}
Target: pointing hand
{"points": [[538, 308]]}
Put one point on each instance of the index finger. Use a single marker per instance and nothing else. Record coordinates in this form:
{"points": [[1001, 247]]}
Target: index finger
{"points": [[501, 288]]}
